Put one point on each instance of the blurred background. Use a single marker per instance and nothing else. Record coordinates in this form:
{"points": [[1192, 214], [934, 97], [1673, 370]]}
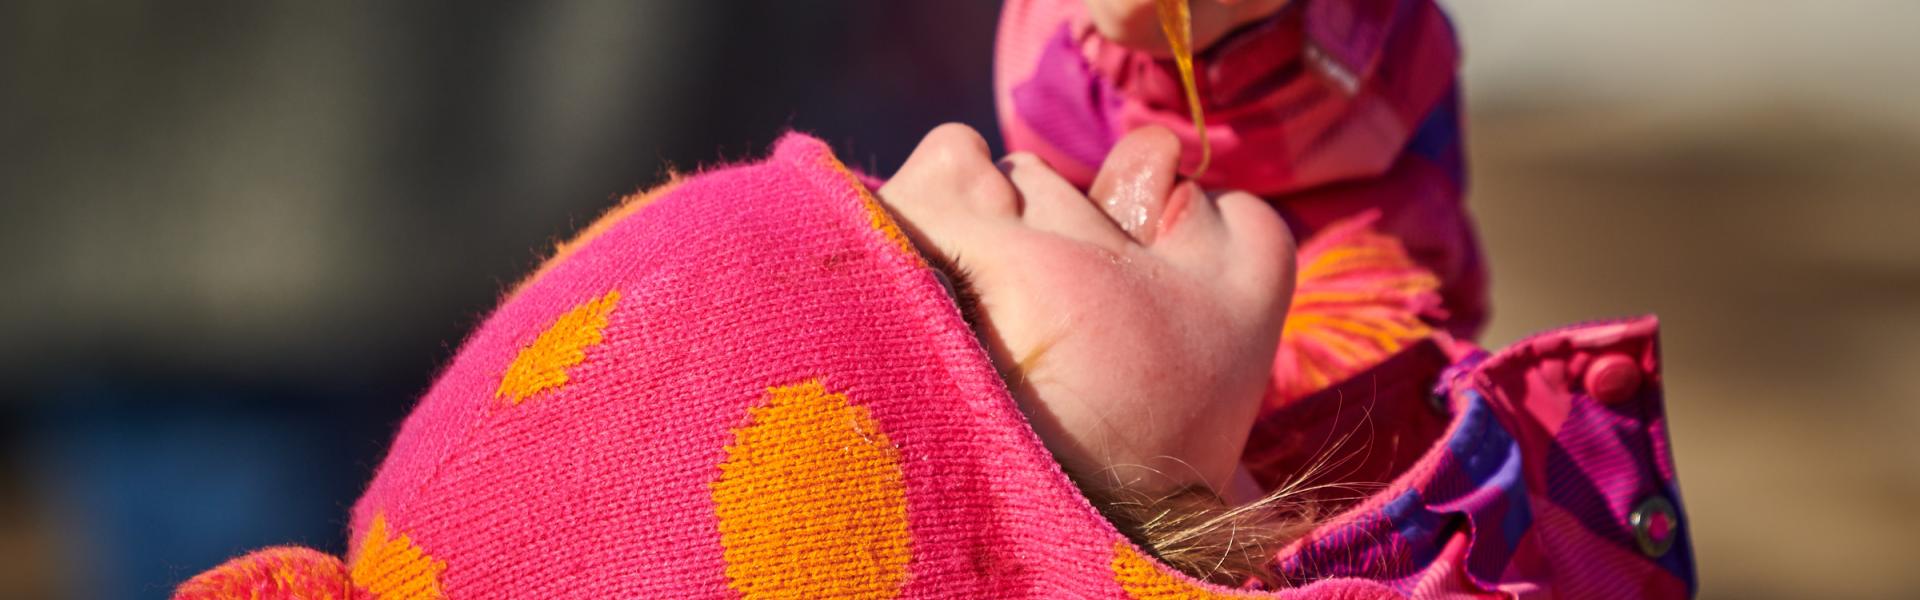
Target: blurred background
{"points": [[241, 237]]}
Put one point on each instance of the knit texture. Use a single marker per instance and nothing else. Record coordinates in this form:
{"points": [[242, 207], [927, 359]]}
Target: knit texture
{"points": [[283, 573], [1358, 300], [390, 567], [543, 364], [750, 387], [810, 477]]}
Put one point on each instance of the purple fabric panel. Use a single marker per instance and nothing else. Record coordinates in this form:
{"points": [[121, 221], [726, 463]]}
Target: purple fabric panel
{"points": [[1495, 498], [1595, 473], [1065, 104], [1602, 465], [1438, 138], [1478, 485], [1374, 546], [1420, 533]]}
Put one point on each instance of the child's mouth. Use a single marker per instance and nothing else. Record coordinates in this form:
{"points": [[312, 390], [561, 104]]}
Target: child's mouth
{"points": [[1178, 200]]}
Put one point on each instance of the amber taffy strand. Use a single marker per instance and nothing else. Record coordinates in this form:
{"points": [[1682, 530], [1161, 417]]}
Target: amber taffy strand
{"points": [[1177, 22]]}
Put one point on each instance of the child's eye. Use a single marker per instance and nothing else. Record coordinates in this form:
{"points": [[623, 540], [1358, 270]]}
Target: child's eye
{"points": [[959, 284]]}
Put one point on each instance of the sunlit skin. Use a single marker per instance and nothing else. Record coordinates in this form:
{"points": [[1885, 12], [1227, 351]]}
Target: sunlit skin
{"points": [[1147, 312]]}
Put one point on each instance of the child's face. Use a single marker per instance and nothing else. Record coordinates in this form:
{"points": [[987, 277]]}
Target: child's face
{"points": [[1136, 328]]}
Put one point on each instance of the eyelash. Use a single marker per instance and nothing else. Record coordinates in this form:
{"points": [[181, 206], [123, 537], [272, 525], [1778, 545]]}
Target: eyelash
{"points": [[960, 283]]}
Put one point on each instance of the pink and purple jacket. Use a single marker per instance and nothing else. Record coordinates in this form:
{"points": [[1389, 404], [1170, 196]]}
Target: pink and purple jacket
{"points": [[747, 383], [1331, 108]]}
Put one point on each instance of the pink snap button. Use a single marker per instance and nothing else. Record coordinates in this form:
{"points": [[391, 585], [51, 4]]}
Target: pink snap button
{"points": [[1613, 379]]}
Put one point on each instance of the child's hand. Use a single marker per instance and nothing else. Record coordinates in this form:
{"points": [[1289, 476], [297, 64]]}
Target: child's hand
{"points": [[1136, 24]]}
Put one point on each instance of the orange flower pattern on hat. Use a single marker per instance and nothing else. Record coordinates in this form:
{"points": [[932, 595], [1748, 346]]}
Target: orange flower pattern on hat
{"points": [[393, 568], [811, 500], [543, 364], [1146, 579]]}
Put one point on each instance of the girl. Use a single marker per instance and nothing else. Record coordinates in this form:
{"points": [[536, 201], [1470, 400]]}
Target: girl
{"points": [[774, 380], [1138, 328]]}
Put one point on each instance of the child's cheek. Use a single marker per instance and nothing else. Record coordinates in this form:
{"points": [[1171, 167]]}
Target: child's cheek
{"points": [[1041, 292], [1126, 324]]}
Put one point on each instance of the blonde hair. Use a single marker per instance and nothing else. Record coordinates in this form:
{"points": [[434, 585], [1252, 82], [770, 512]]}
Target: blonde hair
{"points": [[1199, 533], [1196, 531]]}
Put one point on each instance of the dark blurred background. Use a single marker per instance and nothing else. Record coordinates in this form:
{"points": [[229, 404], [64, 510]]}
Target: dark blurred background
{"points": [[242, 236]]}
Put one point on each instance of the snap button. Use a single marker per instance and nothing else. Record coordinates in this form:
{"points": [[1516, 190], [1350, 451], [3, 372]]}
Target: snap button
{"points": [[1654, 525], [1613, 379]]}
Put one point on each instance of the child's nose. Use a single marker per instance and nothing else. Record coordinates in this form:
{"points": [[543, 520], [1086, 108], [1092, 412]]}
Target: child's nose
{"points": [[1134, 181], [951, 168]]}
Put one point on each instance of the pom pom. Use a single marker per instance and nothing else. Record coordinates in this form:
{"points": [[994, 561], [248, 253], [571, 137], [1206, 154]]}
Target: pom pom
{"points": [[1358, 300], [280, 573]]}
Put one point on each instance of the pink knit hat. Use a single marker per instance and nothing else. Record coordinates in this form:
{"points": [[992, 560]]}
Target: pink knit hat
{"points": [[745, 383]]}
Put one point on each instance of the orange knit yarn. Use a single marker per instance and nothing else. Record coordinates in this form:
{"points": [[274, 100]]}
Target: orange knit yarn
{"points": [[811, 500], [1144, 578], [543, 364], [283, 573], [877, 216], [1359, 300], [392, 568]]}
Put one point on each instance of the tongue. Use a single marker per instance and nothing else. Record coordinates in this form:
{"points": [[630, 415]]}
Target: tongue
{"points": [[1135, 180]]}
